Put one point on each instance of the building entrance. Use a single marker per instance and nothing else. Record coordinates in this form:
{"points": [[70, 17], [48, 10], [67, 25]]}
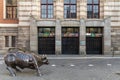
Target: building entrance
{"points": [[94, 40], [70, 40], [46, 40]]}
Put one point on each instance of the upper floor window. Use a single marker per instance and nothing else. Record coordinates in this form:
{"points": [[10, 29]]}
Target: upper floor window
{"points": [[11, 9], [47, 8], [92, 8], [70, 9]]}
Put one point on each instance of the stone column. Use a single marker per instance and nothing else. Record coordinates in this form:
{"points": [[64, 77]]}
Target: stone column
{"points": [[58, 37], [10, 41], [3, 49], [2, 42], [83, 9], [82, 37], [101, 9], [59, 10], [33, 35], [107, 36]]}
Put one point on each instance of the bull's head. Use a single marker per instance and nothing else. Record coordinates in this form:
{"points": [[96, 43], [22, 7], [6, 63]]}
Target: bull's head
{"points": [[44, 59]]}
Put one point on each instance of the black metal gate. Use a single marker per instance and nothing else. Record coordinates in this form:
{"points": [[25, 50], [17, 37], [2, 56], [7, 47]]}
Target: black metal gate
{"points": [[94, 45], [46, 45], [70, 40], [46, 40], [70, 45]]}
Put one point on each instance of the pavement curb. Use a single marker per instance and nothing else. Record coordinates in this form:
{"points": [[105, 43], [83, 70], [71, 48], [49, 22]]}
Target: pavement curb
{"points": [[83, 57], [62, 57]]}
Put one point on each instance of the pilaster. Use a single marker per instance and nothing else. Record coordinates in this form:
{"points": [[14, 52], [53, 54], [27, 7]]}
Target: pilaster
{"points": [[107, 36], [33, 35], [58, 37], [82, 37]]}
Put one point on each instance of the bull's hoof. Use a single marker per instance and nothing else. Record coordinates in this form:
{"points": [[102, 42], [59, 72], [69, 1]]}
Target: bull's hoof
{"points": [[39, 75], [13, 75]]}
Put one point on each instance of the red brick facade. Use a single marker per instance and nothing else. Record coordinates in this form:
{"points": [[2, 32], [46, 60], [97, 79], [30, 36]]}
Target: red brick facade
{"points": [[2, 20]]}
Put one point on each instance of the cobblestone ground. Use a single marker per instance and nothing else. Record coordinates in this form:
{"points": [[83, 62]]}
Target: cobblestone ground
{"points": [[87, 69]]}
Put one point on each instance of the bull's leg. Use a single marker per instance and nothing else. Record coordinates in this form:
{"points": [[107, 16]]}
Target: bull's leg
{"points": [[16, 69], [38, 71], [36, 66], [12, 73]]}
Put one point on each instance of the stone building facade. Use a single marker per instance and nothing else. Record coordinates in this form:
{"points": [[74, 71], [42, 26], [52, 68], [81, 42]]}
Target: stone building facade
{"points": [[28, 26]]}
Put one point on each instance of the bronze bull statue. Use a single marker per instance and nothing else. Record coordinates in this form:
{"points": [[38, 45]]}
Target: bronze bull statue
{"points": [[18, 59]]}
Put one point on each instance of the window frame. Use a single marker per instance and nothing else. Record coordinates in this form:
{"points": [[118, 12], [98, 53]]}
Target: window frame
{"points": [[10, 41], [70, 5], [14, 13], [46, 4], [93, 4]]}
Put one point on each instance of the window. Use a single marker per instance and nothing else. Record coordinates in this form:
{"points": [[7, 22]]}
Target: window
{"points": [[13, 41], [94, 31], [11, 9], [6, 41], [46, 32], [47, 8], [10, 41], [70, 32], [92, 8], [69, 8]]}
